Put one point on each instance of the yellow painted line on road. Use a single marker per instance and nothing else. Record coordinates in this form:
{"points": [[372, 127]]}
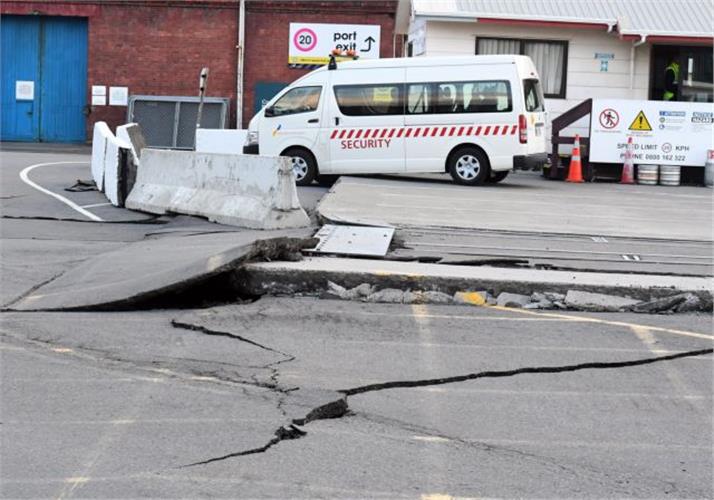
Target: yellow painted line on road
{"points": [[62, 349], [587, 319], [431, 439]]}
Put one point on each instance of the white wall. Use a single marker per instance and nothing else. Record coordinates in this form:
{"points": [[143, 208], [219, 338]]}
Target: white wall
{"points": [[584, 78]]}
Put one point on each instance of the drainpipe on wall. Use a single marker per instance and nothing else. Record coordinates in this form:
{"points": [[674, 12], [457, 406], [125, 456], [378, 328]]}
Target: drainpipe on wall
{"points": [[239, 64], [642, 40]]}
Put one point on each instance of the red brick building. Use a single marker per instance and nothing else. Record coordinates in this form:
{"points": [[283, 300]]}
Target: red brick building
{"points": [[157, 47]]}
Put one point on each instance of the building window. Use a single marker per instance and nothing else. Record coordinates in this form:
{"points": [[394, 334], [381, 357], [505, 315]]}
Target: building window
{"points": [[370, 100], [550, 59], [492, 96]]}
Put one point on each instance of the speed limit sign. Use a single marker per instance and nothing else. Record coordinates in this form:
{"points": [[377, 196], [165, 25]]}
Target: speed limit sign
{"points": [[311, 43], [305, 40]]}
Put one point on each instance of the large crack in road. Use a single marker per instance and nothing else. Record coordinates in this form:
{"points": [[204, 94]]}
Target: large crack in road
{"points": [[339, 408]]}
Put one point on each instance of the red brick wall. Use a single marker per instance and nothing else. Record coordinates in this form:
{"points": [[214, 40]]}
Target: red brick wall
{"points": [[158, 47], [160, 51], [267, 36]]}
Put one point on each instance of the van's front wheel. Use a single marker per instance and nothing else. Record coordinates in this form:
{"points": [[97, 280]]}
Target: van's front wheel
{"points": [[469, 166], [304, 165], [497, 177]]}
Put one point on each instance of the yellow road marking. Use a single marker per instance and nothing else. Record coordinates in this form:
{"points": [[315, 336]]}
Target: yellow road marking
{"points": [[431, 439], [586, 319]]}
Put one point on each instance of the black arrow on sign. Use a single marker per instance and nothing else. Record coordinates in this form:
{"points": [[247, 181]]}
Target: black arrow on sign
{"points": [[369, 41]]}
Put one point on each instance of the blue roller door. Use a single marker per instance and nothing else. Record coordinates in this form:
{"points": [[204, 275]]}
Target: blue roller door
{"points": [[52, 53]]}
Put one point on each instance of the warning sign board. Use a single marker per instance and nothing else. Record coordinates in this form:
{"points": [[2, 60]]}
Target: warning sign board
{"points": [[640, 122], [663, 132]]}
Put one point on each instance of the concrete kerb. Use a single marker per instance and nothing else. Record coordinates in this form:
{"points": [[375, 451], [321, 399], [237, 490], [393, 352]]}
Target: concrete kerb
{"points": [[250, 191], [313, 275]]}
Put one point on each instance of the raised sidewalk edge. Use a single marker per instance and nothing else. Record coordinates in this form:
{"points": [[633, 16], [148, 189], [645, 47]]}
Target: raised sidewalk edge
{"points": [[311, 274]]}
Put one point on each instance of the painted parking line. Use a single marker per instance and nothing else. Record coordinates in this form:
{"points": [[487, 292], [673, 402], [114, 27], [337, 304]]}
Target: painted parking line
{"points": [[24, 175], [93, 205]]}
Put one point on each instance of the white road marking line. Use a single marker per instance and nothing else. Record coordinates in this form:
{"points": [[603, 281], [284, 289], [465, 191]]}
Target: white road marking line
{"points": [[69, 203], [93, 205]]}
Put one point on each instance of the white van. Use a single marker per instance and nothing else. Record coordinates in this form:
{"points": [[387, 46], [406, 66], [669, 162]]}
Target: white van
{"points": [[475, 117]]}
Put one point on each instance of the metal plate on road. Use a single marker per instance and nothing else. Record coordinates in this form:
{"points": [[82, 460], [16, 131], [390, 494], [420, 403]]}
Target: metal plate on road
{"points": [[353, 240]]}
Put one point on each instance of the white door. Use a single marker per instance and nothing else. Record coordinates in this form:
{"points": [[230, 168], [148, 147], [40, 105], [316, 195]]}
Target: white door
{"points": [[293, 120], [536, 116], [366, 113]]}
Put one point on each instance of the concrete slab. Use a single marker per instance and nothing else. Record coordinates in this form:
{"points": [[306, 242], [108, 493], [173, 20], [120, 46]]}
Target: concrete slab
{"points": [[525, 202], [146, 269], [313, 273]]}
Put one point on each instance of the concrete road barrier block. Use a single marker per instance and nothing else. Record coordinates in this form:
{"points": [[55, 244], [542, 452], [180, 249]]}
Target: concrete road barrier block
{"points": [[241, 190], [131, 134], [227, 141], [99, 148], [108, 163]]}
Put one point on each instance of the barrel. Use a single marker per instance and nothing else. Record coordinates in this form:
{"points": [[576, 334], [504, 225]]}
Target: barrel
{"points": [[647, 174], [709, 169], [669, 175]]}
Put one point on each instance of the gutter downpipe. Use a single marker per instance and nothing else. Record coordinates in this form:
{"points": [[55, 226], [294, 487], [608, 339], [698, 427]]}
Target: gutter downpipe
{"points": [[641, 41], [239, 65]]}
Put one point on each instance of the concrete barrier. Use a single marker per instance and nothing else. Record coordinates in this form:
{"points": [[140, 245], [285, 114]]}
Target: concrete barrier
{"points": [[131, 134], [108, 163], [240, 190], [220, 141]]}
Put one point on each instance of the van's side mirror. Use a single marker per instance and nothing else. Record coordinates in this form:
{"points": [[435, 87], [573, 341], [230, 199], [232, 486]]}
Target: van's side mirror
{"points": [[269, 111]]}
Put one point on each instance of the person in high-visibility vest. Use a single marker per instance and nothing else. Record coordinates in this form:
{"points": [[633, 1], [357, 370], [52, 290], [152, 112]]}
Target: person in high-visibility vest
{"points": [[671, 81]]}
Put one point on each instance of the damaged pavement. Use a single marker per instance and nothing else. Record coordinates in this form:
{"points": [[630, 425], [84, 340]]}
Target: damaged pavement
{"points": [[147, 357]]}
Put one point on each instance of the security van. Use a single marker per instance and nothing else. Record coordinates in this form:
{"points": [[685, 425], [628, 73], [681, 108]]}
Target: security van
{"points": [[476, 117]]}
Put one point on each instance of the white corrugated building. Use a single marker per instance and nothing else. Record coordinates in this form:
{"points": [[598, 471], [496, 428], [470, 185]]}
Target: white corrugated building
{"points": [[582, 48]]}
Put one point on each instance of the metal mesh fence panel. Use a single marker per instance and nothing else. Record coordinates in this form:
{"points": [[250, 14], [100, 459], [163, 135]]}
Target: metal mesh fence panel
{"points": [[156, 119], [170, 121], [186, 132]]}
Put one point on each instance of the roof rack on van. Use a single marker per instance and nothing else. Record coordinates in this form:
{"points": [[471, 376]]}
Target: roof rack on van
{"points": [[332, 64]]}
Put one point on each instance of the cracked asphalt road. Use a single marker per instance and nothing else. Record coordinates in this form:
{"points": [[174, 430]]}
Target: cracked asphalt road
{"points": [[119, 404], [308, 398]]}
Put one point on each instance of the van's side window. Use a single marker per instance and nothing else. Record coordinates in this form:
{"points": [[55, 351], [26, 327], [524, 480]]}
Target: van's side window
{"points": [[487, 97], [418, 99], [297, 100], [370, 100], [492, 96], [533, 94]]}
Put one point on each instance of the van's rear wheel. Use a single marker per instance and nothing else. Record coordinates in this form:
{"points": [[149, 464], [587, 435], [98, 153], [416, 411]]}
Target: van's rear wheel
{"points": [[469, 166], [304, 165], [497, 177]]}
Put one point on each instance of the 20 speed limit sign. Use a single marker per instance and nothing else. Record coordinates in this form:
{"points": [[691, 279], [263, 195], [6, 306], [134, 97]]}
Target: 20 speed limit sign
{"points": [[304, 40]]}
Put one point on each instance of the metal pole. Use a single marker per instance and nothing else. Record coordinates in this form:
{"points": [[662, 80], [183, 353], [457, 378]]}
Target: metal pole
{"points": [[202, 82], [240, 68]]}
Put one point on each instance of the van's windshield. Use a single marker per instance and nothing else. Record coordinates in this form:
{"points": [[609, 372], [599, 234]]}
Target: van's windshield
{"points": [[533, 95]]}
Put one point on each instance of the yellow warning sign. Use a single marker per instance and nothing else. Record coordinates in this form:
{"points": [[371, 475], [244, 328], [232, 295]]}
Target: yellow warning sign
{"points": [[640, 122]]}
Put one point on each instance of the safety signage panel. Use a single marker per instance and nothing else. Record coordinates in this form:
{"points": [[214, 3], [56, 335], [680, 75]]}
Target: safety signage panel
{"points": [[663, 132], [313, 43]]}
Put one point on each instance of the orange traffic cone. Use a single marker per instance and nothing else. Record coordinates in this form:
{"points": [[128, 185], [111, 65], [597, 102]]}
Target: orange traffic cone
{"points": [[575, 172], [628, 169]]}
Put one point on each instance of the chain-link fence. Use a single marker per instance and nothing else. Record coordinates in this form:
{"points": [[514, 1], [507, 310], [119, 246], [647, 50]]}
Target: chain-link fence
{"points": [[170, 121]]}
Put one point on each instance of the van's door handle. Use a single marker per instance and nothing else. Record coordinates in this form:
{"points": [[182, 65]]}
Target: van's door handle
{"points": [[337, 120], [313, 120]]}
